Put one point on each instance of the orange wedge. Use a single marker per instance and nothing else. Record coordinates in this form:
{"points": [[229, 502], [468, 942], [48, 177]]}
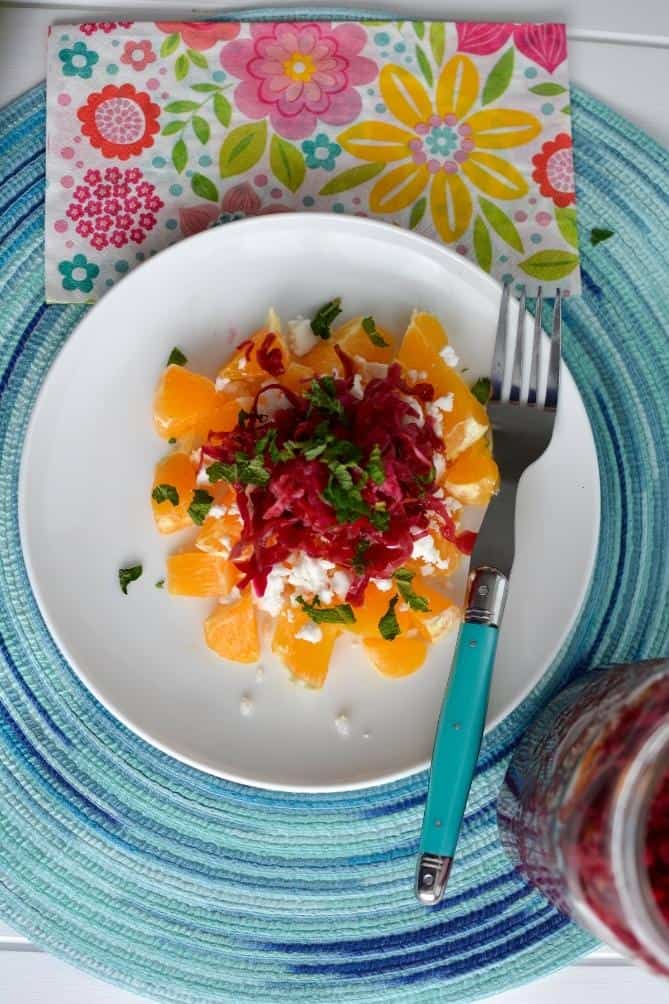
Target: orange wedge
{"points": [[198, 573], [372, 609], [400, 657], [178, 471], [219, 534], [473, 477], [355, 341], [244, 364], [186, 404], [442, 616], [296, 377], [232, 631], [307, 661], [430, 330]]}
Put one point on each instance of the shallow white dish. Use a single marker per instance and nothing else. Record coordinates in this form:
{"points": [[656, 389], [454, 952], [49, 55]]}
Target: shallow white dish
{"points": [[85, 508]]}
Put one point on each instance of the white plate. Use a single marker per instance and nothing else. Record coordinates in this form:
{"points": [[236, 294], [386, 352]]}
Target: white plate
{"points": [[85, 507]]}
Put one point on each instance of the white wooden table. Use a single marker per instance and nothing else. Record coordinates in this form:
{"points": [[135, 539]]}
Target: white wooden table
{"points": [[619, 51]]}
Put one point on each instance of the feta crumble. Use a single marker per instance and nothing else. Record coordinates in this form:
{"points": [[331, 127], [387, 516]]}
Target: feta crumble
{"points": [[383, 585], [222, 383], [300, 337], [450, 356], [310, 632]]}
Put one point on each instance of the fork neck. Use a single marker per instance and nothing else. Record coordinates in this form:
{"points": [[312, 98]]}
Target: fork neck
{"points": [[486, 598]]}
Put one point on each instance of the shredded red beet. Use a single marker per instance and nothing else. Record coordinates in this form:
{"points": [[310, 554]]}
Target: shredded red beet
{"points": [[270, 358], [342, 478]]}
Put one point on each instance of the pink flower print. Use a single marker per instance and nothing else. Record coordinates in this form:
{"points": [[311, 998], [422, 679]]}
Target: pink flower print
{"points": [[545, 44], [132, 175], [84, 228], [132, 204], [81, 193], [88, 27], [113, 174], [144, 189], [147, 220], [118, 239], [154, 203], [482, 37], [93, 207], [92, 176], [106, 26], [200, 35], [104, 223], [121, 191], [124, 221], [99, 242], [112, 206], [241, 199], [137, 235], [102, 191], [138, 55], [299, 73], [125, 24], [194, 219], [74, 211]]}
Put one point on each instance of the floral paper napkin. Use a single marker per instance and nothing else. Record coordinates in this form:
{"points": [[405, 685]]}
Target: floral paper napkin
{"points": [[460, 131]]}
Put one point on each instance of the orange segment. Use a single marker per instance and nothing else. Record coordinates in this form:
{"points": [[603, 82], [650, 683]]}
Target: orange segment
{"points": [[187, 404], [400, 657], [232, 631], [374, 606], [219, 534], [197, 573], [323, 359], [355, 341], [430, 328], [474, 476], [442, 616], [467, 421], [307, 661], [177, 470], [449, 558], [244, 364], [296, 377]]}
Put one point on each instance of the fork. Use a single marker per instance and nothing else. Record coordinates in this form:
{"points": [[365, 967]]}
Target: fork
{"points": [[522, 429]]}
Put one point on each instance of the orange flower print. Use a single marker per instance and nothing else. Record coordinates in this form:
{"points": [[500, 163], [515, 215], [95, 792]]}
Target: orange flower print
{"points": [[119, 121]]}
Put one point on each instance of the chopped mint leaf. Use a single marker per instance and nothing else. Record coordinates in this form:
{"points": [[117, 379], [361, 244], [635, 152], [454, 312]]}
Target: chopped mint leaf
{"points": [[165, 493], [325, 317], [389, 627], [341, 614], [599, 234], [404, 578], [322, 394], [348, 505], [427, 479], [379, 518], [251, 470], [313, 452], [172, 440], [160, 583], [200, 506], [481, 390], [177, 358], [375, 467], [128, 575], [375, 336], [219, 471], [343, 476], [361, 549]]}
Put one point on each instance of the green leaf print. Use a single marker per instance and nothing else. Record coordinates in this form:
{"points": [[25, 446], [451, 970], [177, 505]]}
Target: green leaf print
{"points": [[242, 148], [482, 244], [287, 163], [499, 78], [351, 178], [502, 224], [566, 221], [550, 264]]}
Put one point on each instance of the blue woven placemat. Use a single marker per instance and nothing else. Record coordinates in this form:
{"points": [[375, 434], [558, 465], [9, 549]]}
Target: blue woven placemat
{"points": [[187, 888]]}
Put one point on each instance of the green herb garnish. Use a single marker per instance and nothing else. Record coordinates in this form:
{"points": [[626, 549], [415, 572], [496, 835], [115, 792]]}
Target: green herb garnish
{"points": [[165, 493], [361, 548], [172, 440], [160, 583], [389, 627], [375, 468], [375, 336], [427, 479], [325, 317], [200, 506], [348, 504], [244, 471], [403, 577], [128, 575], [341, 614], [177, 358], [481, 390], [379, 518], [221, 472], [322, 394]]}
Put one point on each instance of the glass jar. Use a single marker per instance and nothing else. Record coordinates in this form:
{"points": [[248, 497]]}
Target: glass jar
{"points": [[584, 808]]}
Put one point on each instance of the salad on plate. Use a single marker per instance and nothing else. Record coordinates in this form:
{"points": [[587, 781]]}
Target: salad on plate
{"points": [[325, 472]]}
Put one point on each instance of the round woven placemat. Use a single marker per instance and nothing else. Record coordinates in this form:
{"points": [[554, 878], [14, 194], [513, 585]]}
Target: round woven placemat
{"points": [[187, 888]]}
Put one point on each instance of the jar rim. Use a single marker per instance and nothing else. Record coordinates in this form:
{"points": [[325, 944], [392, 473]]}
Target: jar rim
{"points": [[628, 833]]}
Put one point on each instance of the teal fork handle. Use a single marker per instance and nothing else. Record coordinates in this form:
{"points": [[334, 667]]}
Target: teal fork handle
{"points": [[457, 744]]}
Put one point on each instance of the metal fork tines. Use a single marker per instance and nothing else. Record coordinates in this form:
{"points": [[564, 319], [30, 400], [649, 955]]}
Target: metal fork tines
{"points": [[501, 354]]}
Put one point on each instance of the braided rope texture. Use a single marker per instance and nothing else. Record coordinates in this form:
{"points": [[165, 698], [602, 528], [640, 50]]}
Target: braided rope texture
{"points": [[187, 888]]}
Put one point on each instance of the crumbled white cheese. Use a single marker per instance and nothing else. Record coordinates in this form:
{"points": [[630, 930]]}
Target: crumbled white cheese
{"points": [[371, 370], [310, 575], [272, 599], [429, 569], [342, 724], [449, 355], [216, 511], [300, 337], [309, 632], [445, 403], [341, 583], [271, 401], [439, 466], [435, 410], [440, 493], [424, 549], [357, 390], [452, 505], [415, 376], [202, 477], [196, 456], [222, 383], [242, 364], [232, 597], [418, 417], [246, 706], [383, 585]]}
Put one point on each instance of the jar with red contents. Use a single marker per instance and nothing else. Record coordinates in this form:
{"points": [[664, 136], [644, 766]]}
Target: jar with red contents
{"points": [[584, 808]]}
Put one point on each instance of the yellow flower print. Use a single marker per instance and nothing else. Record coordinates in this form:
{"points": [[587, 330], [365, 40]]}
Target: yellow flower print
{"points": [[443, 143]]}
